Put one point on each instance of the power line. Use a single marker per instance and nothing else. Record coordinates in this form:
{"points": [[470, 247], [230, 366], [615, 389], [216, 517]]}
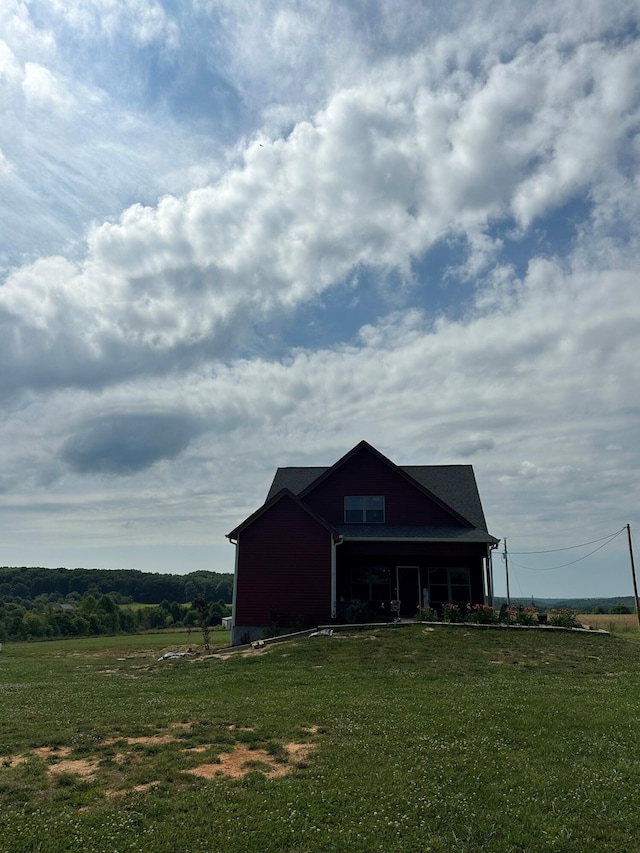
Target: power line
{"points": [[570, 547], [572, 562]]}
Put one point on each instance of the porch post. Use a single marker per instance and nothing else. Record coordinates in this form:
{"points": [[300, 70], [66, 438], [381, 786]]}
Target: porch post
{"points": [[334, 548], [489, 572], [333, 577]]}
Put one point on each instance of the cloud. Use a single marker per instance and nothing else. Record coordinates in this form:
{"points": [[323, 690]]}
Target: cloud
{"points": [[374, 180], [144, 21], [126, 443], [42, 89], [470, 448]]}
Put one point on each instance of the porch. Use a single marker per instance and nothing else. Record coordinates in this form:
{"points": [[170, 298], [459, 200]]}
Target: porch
{"points": [[370, 576]]}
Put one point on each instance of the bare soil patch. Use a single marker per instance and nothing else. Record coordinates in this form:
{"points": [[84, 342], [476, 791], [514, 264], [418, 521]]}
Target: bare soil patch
{"points": [[46, 752], [81, 767], [148, 740], [146, 786], [235, 763], [242, 760]]}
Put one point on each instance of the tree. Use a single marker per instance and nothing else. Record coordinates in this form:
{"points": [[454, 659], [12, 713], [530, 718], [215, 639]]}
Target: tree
{"points": [[620, 608], [202, 607]]}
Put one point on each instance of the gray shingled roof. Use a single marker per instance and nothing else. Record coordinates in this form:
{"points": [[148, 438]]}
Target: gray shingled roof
{"points": [[455, 485], [295, 479], [424, 533]]}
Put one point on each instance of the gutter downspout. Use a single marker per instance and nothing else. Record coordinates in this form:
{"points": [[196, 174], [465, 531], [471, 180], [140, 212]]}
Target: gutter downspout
{"points": [[334, 545], [235, 582]]}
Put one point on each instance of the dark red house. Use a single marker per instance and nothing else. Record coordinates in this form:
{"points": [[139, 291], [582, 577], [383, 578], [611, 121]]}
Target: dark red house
{"points": [[340, 543]]}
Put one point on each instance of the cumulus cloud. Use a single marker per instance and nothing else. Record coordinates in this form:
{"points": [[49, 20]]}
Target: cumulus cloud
{"points": [[375, 179]]}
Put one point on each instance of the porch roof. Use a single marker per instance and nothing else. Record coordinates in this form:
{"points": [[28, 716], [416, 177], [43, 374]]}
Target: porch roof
{"points": [[414, 532]]}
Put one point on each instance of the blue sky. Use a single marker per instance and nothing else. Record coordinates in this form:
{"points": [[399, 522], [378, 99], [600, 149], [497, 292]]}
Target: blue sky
{"points": [[241, 235]]}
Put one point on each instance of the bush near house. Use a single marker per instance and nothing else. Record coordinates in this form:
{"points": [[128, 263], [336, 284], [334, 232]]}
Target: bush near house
{"points": [[426, 614], [451, 613], [483, 614], [562, 618]]}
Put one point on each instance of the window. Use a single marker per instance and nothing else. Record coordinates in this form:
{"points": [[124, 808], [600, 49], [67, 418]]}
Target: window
{"points": [[449, 586], [371, 583], [364, 509]]}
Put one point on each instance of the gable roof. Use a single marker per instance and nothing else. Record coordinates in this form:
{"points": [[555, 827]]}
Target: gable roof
{"points": [[453, 486], [270, 502]]}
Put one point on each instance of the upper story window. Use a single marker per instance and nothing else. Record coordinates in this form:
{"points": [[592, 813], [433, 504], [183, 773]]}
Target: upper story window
{"points": [[364, 509]]}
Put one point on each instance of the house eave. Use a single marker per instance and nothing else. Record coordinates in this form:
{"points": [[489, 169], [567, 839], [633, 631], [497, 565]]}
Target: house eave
{"points": [[448, 541]]}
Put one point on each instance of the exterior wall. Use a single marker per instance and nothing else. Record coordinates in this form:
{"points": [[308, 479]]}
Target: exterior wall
{"points": [[284, 571], [365, 474]]}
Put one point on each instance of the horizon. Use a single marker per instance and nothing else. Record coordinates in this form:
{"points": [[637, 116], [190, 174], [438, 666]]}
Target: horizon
{"points": [[237, 236]]}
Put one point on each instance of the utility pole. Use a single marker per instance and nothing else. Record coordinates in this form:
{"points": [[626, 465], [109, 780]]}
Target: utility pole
{"points": [[506, 568], [633, 575]]}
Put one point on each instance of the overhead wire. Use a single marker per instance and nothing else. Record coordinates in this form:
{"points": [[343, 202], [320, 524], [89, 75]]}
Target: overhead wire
{"points": [[571, 547], [571, 562]]}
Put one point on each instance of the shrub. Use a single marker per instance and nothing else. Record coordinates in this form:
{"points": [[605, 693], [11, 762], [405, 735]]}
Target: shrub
{"points": [[361, 612], [527, 616], [451, 613], [562, 618], [508, 615], [483, 614], [426, 614]]}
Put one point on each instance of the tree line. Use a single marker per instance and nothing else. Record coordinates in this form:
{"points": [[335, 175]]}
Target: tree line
{"points": [[37, 603], [124, 585], [41, 619]]}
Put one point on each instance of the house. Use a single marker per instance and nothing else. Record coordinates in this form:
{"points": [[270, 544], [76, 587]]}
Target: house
{"points": [[343, 542]]}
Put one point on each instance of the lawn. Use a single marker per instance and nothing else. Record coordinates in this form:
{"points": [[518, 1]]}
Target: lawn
{"points": [[411, 738]]}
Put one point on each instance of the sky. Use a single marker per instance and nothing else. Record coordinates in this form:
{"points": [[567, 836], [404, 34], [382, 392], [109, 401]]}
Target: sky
{"points": [[241, 235]]}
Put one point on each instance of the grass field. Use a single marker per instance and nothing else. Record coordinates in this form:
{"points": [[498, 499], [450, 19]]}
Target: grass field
{"points": [[616, 623], [408, 738]]}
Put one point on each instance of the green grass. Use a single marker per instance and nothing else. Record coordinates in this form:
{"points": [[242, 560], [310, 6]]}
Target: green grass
{"points": [[422, 740]]}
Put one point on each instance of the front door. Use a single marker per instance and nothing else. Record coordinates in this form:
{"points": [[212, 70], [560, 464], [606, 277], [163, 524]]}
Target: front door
{"points": [[408, 580]]}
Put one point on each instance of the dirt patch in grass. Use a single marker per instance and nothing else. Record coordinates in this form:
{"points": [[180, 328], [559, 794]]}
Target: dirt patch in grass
{"points": [[274, 761], [46, 752], [152, 740], [299, 751], [242, 760], [111, 793], [146, 740], [81, 767], [184, 726], [11, 761], [243, 653]]}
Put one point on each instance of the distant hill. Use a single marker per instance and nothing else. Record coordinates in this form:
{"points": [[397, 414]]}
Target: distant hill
{"points": [[27, 583], [580, 605]]}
